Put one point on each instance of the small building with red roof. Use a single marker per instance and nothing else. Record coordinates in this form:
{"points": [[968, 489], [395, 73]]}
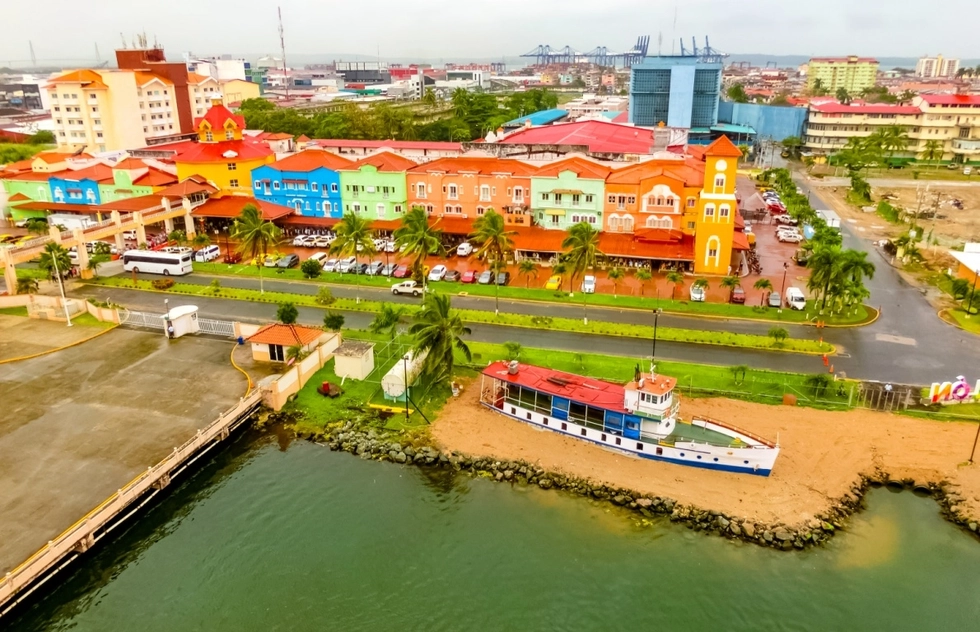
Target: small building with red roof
{"points": [[308, 181], [271, 343]]}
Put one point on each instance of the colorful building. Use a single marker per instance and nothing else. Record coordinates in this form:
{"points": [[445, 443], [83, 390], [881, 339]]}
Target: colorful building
{"points": [[852, 73], [567, 192], [221, 155], [466, 187], [307, 181], [658, 194], [375, 186], [717, 210]]}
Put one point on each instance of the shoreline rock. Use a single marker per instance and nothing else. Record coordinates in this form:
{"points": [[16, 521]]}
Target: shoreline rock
{"points": [[386, 446]]}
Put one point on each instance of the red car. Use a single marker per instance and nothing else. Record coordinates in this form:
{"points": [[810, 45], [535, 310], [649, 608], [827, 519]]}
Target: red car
{"points": [[469, 276], [400, 272], [776, 209]]}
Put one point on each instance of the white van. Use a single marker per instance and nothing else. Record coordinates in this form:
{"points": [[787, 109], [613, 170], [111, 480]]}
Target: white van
{"points": [[207, 253], [795, 298], [319, 257]]}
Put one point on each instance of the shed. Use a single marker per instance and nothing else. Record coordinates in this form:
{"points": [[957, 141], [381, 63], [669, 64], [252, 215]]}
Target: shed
{"points": [[181, 320], [354, 359], [270, 343], [402, 376]]}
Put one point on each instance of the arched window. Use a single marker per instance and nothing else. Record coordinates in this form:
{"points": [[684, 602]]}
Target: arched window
{"points": [[420, 189], [660, 197], [720, 183], [711, 253], [615, 223], [659, 222], [724, 211], [627, 223], [709, 212]]}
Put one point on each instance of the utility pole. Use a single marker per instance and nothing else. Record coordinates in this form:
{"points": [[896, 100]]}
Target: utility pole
{"points": [[61, 282], [33, 56], [282, 47]]}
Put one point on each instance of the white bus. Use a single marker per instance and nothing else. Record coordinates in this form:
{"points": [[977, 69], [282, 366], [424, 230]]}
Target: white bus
{"points": [[155, 262]]}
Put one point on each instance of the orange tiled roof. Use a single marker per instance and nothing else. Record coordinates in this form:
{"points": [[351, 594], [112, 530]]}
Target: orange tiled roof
{"points": [[230, 207], [54, 157], [130, 163], [155, 178], [22, 165], [582, 167], [277, 136], [471, 164], [144, 77], [18, 197], [385, 161], [311, 159], [97, 173], [676, 169], [285, 335], [215, 152], [193, 77], [723, 147], [89, 78]]}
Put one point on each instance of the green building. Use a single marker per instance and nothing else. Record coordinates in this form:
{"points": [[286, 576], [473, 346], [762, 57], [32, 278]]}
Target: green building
{"points": [[375, 187], [567, 192]]}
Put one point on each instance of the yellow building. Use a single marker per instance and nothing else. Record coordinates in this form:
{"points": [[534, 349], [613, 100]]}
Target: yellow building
{"points": [[717, 209], [237, 90], [851, 73], [222, 155]]}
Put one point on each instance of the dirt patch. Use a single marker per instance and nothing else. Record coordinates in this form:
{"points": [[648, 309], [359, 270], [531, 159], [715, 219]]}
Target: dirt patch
{"points": [[823, 455]]}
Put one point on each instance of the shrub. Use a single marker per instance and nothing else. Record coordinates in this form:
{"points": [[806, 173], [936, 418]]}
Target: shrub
{"points": [[215, 287], [287, 313], [324, 297], [513, 350], [311, 269], [778, 334], [333, 321], [163, 284]]}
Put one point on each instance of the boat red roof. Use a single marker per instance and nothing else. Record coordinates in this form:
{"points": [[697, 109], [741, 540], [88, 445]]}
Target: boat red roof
{"points": [[598, 136], [215, 152], [311, 159], [578, 388]]}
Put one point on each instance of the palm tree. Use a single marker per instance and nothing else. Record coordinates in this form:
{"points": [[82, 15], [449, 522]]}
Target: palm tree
{"points": [[676, 279], [764, 286], [702, 284], [255, 237], [616, 275], [730, 283], [825, 271], [643, 275], [560, 269], [933, 150], [353, 238], [387, 320], [439, 333], [30, 285], [894, 138], [493, 243], [582, 244], [855, 266], [417, 239], [527, 268], [843, 96], [201, 240]]}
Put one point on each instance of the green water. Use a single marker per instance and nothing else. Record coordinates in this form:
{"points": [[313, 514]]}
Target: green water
{"points": [[271, 537]]}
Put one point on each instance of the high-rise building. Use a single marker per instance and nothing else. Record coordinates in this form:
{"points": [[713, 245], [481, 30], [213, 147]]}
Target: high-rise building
{"points": [[145, 101], [937, 66], [675, 91], [852, 73]]}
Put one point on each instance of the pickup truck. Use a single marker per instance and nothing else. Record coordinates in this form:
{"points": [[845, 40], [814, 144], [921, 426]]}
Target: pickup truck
{"points": [[406, 287]]}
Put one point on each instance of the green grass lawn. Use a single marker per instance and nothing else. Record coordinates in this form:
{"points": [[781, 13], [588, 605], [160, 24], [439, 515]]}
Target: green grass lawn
{"points": [[14, 311], [726, 310], [88, 320], [695, 336], [32, 273]]}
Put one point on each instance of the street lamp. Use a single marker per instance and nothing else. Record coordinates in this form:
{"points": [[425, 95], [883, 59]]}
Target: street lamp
{"points": [[782, 291], [61, 285], [974, 450], [656, 320]]}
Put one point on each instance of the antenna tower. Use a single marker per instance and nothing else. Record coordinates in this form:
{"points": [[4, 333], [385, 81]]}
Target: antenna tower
{"points": [[282, 47], [33, 56]]}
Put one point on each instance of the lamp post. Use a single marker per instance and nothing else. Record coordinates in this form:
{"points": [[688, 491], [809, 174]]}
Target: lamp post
{"points": [[166, 318], [973, 293], [974, 450], [656, 320], [782, 291], [61, 285]]}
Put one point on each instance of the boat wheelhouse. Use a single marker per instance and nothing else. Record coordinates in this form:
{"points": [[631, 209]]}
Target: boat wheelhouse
{"points": [[639, 419]]}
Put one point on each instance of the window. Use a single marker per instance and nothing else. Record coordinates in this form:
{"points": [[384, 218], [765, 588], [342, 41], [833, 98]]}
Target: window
{"points": [[582, 432], [420, 190], [232, 166], [327, 207], [233, 183], [479, 210], [691, 202], [631, 199], [314, 186], [275, 185], [709, 211], [611, 199], [398, 208], [485, 193], [208, 137], [564, 426], [276, 353], [98, 134], [589, 198], [57, 109], [333, 188], [545, 196], [719, 183], [557, 198], [453, 192], [576, 199], [229, 134], [723, 210], [380, 209], [518, 194]]}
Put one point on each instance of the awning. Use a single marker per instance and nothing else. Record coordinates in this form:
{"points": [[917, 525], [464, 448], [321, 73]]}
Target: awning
{"points": [[740, 241], [732, 129], [568, 192], [555, 212]]}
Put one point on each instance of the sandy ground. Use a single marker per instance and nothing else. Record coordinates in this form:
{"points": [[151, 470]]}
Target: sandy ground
{"points": [[823, 454]]}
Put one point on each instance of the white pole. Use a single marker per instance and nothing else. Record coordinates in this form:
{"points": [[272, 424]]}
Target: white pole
{"points": [[61, 285]]}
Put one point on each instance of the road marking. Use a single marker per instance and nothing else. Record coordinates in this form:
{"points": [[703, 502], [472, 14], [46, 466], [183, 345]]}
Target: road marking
{"points": [[899, 340]]}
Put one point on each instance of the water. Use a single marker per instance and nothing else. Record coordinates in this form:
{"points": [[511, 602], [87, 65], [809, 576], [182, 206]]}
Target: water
{"points": [[271, 537]]}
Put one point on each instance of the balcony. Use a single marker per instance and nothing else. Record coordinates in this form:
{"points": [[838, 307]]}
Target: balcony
{"points": [[966, 146]]}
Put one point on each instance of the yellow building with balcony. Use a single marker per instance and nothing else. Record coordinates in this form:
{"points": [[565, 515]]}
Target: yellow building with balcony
{"points": [[852, 73]]}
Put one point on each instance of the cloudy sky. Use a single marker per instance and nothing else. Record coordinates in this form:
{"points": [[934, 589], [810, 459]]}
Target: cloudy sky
{"points": [[443, 29]]}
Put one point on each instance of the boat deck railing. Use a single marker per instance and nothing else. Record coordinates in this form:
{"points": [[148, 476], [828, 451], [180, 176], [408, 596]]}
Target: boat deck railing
{"points": [[733, 428]]}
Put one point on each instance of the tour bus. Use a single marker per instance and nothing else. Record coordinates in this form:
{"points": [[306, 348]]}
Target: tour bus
{"points": [[154, 262]]}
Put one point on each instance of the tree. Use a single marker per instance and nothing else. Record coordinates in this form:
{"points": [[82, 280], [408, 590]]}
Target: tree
{"points": [[843, 96], [493, 242], [287, 313], [255, 237], [906, 96], [818, 383], [429, 98], [933, 151], [892, 139], [416, 239], [764, 286], [527, 268], [737, 94], [582, 247], [201, 240], [778, 335], [42, 137], [311, 269], [818, 89], [295, 354], [616, 275], [97, 259], [513, 350], [676, 279], [30, 285], [353, 238], [37, 225], [559, 269], [824, 265], [179, 237], [702, 284], [55, 257], [738, 373], [256, 105], [792, 145], [439, 334], [333, 321], [958, 288], [730, 283], [386, 321], [643, 275]]}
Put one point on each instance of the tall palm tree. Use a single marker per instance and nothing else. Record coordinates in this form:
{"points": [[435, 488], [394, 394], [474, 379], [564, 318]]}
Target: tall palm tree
{"points": [[493, 243], [764, 286], [201, 240], [730, 283], [676, 279], [854, 266], [388, 319], [439, 333], [894, 138], [354, 237], [643, 275], [582, 247], [825, 271], [255, 236], [417, 239], [527, 269], [616, 275], [933, 151]]}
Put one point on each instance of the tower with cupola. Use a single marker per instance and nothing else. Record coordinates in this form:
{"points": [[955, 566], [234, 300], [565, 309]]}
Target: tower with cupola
{"points": [[717, 208]]}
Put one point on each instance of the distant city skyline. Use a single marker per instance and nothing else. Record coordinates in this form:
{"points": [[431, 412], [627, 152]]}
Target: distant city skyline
{"points": [[437, 29]]}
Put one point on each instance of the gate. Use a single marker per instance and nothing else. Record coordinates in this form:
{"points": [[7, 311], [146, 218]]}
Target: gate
{"points": [[217, 327], [887, 397], [141, 319]]}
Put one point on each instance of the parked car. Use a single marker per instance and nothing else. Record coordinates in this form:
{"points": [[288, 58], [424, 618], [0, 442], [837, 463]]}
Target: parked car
{"points": [[406, 287], [465, 249], [401, 272], [374, 268], [360, 268], [388, 269], [503, 278], [554, 283], [789, 238], [451, 275], [271, 261], [469, 276], [697, 294], [801, 256], [437, 273], [289, 261], [795, 299], [304, 240], [331, 265], [347, 265], [485, 277], [775, 300], [319, 257], [205, 254], [321, 242], [738, 296], [588, 284], [785, 219]]}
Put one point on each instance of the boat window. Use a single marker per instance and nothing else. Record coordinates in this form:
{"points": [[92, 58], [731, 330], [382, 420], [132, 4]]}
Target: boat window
{"points": [[564, 426], [513, 411], [639, 446], [529, 416], [620, 442], [576, 410], [595, 415], [603, 437], [660, 451], [546, 421], [583, 432]]}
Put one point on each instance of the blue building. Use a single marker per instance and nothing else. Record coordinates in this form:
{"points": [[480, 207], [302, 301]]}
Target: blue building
{"points": [[769, 121], [79, 187], [544, 117], [678, 91], [307, 181]]}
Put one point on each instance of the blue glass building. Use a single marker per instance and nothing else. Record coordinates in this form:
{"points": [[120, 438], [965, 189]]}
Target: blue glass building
{"points": [[678, 91]]}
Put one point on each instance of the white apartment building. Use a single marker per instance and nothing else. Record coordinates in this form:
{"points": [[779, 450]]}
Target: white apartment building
{"points": [[938, 66], [592, 105]]}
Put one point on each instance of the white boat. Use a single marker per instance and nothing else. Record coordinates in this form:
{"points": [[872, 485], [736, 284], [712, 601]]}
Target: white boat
{"points": [[639, 419]]}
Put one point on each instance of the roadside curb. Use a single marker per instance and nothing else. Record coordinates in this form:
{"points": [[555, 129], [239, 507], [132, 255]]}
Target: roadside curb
{"points": [[57, 349]]}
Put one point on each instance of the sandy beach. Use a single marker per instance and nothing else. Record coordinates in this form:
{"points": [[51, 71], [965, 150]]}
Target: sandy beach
{"points": [[823, 455]]}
